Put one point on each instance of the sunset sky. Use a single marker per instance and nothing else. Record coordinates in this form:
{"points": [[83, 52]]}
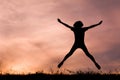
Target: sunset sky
{"points": [[32, 40]]}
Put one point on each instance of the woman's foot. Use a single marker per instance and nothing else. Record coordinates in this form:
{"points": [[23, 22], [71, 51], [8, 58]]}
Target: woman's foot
{"points": [[59, 65], [98, 66]]}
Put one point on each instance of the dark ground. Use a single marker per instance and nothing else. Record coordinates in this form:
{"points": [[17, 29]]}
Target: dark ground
{"points": [[79, 76]]}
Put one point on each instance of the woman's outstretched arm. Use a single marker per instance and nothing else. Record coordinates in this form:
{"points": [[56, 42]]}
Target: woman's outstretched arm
{"points": [[64, 23], [92, 26]]}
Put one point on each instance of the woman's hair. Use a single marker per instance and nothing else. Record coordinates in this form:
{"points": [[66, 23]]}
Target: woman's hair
{"points": [[78, 24]]}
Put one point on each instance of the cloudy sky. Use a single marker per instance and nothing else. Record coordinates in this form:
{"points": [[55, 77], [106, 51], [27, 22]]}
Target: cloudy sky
{"points": [[32, 40]]}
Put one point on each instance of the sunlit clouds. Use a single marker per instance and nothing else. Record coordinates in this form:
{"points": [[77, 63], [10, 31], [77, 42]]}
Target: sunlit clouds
{"points": [[32, 40]]}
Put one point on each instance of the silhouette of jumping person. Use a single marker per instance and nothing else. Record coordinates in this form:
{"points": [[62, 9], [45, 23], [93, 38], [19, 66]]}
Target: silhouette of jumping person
{"points": [[79, 33]]}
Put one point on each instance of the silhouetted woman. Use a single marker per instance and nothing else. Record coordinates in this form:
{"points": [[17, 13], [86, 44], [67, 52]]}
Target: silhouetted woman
{"points": [[79, 33]]}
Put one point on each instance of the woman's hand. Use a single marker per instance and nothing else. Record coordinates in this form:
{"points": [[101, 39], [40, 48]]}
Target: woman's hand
{"points": [[59, 20], [100, 22]]}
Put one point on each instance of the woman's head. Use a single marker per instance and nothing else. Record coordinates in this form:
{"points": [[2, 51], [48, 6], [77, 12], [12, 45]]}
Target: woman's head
{"points": [[78, 24]]}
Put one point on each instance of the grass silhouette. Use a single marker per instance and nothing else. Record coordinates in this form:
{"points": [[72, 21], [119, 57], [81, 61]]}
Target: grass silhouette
{"points": [[79, 75]]}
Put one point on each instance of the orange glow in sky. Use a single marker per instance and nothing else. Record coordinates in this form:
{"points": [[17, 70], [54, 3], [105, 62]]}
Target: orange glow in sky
{"points": [[31, 39]]}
